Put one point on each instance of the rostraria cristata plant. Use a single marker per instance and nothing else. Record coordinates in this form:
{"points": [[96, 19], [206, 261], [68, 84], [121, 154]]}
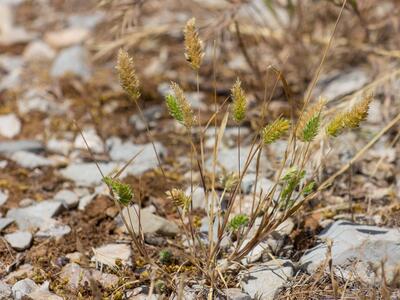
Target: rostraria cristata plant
{"points": [[296, 181]]}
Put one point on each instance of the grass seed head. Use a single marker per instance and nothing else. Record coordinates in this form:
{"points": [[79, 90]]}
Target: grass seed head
{"points": [[179, 107], [193, 45], [275, 130], [179, 198], [350, 119], [127, 75], [239, 102], [309, 123], [122, 191], [238, 221]]}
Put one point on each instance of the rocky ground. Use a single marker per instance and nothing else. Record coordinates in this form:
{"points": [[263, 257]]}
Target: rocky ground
{"points": [[62, 236]]}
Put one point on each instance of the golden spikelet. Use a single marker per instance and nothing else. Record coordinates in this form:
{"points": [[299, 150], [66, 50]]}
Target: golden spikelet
{"points": [[275, 130], [179, 198], [193, 45], [309, 122], [188, 117], [350, 119], [239, 102], [127, 75]]}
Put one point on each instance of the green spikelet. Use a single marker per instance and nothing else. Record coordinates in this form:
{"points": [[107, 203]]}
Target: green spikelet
{"points": [[122, 191], [275, 130], [309, 123], [180, 199], [350, 119], [174, 108], [238, 221], [239, 102], [179, 107]]}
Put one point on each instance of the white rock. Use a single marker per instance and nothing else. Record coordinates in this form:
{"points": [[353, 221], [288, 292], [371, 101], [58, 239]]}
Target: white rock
{"points": [[52, 228], [236, 294], [72, 60], [38, 51], [87, 174], [19, 240], [3, 164], [59, 146], [9, 147], [76, 276], [149, 222], [68, 198], [30, 160], [23, 288], [146, 160], [88, 21], [41, 294], [227, 159], [3, 196], [5, 291], [198, 197], [66, 37], [366, 245], [94, 141], [264, 185], [4, 222], [10, 33], [108, 254], [35, 215], [256, 253], [343, 83], [85, 200], [264, 280], [10, 125]]}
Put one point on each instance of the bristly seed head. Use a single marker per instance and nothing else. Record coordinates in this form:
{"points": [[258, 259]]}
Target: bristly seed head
{"points": [[193, 45], [350, 119], [239, 102], [122, 191], [180, 199], [309, 122], [179, 107], [275, 130], [127, 75]]}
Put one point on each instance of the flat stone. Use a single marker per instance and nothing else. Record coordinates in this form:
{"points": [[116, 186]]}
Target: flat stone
{"points": [[108, 254], [10, 125], [87, 174], [7, 147], [146, 160], [227, 159], [38, 51], [3, 196], [52, 228], [23, 288], [59, 146], [19, 240], [5, 291], [41, 294], [68, 198], [30, 160], [94, 141], [264, 280], [66, 37], [4, 222], [77, 276], [88, 21], [36, 215], [198, 197], [150, 223], [358, 249], [24, 271], [236, 294], [264, 185], [341, 84], [85, 200], [71, 60]]}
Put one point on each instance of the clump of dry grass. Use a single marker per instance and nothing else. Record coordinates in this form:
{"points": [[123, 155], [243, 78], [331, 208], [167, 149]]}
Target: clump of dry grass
{"points": [[266, 214]]}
